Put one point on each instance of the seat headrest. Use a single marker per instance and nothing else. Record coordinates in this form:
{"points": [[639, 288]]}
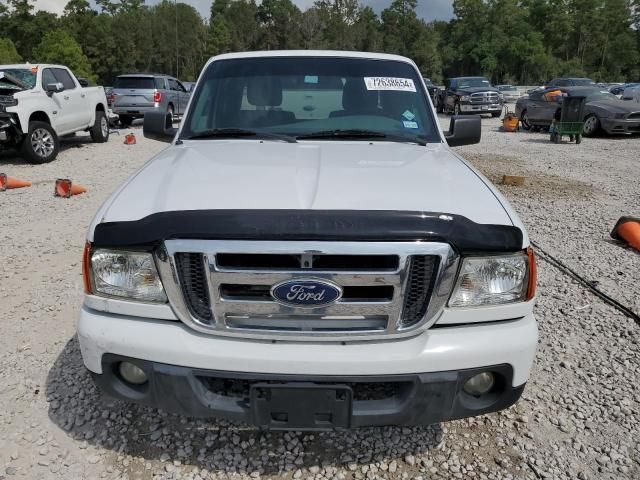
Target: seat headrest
{"points": [[264, 91], [355, 96]]}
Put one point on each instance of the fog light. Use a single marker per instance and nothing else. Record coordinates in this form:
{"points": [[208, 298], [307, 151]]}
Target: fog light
{"points": [[479, 384], [132, 374]]}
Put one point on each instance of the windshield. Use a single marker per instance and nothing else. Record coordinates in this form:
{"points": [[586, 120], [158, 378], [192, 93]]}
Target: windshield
{"points": [[583, 81], [600, 95], [473, 82], [300, 96], [140, 83], [25, 75]]}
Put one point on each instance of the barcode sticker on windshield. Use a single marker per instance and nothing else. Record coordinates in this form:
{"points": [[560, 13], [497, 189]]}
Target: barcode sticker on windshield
{"points": [[389, 83]]}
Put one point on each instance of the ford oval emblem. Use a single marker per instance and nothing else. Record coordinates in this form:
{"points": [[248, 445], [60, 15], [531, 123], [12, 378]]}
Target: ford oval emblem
{"points": [[307, 293]]}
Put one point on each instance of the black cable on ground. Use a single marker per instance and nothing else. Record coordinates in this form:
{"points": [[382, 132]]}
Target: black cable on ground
{"points": [[573, 274]]}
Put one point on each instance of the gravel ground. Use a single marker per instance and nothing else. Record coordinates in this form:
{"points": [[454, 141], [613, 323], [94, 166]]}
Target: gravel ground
{"points": [[578, 418]]}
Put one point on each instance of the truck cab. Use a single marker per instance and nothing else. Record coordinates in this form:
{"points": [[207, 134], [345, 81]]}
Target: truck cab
{"points": [[308, 253], [470, 95]]}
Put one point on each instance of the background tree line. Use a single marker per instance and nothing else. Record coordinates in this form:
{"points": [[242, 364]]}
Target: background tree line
{"points": [[519, 41]]}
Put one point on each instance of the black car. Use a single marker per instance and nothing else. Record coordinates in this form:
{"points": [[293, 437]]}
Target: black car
{"points": [[571, 82], [470, 95], [602, 110]]}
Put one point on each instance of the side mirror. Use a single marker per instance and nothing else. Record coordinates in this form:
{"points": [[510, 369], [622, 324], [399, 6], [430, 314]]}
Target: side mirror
{"points": [[83, 82], [158, 126], [464, 130], [52, 88]]}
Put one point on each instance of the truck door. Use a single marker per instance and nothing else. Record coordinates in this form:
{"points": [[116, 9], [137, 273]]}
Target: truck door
{"points": [[183, 95], [75, 114], [57, 107], [450, 97]]}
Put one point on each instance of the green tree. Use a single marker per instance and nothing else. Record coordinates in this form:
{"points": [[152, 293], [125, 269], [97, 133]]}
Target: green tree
{"points": [[8, 52], [59, 46], [218, 37]]}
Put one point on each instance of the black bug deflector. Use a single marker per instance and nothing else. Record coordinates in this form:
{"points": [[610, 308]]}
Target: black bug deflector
{"points": [[463, 234]]}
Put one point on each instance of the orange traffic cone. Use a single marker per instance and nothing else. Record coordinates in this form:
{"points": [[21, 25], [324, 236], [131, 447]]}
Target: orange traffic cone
{"points": [[627, 229], [7, 182], [65, 188], [130, 139]]}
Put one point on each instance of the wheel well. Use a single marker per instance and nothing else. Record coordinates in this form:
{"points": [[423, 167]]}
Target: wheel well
{"points": [[171, 105], [39, 117], [100, 108]]}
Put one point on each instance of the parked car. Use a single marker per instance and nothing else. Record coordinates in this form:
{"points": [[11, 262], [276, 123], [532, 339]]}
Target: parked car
{"points": [[510, 93], [136, 94], [40, 103], [470, 95], [603, 110], [433, 89], [189, 86], [619, 90], [272, 283], [571, 82]]}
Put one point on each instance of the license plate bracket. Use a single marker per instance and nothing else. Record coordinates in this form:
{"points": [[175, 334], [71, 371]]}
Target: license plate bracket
{"points": [[301, 406]]}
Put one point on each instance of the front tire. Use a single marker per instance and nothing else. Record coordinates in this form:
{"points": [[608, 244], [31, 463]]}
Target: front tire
{"points": [[170, 112], [524, 120], [591, 125], [40, 145], [100, 129], [456, 109]]}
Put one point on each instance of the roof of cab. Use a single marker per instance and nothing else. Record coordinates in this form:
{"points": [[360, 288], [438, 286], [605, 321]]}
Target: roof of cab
{"points": [[312, 53]]}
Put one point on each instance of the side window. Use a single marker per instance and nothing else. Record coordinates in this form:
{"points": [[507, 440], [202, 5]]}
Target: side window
{"points": [[180, 87], [561, 83], [160, 84], [48, 77], [173, 85], [535, 97], [452, 85], [64, 78]]}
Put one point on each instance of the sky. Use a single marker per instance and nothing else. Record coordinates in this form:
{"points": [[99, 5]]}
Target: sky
{"points": [[427, 9]]}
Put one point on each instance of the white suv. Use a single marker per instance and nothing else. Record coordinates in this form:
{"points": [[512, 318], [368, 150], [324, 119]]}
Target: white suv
{"points": [[309, 254]]}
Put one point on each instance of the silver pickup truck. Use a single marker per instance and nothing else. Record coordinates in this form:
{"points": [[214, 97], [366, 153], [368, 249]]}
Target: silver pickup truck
{"points": [[308, 253]]}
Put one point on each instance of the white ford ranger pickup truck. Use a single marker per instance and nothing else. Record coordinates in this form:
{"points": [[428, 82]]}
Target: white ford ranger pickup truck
{"points": [[40, 103], [309, 254]]}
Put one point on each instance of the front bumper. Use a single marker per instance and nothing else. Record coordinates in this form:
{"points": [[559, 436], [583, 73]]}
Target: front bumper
{"points": [[481, 108], [434, 362], [613, 125], [10, 132], [303, 402]]}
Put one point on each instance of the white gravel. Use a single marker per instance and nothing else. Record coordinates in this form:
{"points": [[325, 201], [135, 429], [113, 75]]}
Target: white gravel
{"points": [[578, 418]]}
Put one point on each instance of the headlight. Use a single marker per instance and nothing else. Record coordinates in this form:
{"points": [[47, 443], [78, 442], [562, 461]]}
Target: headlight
{"points": [[131, 275], [464, 98], [494, 280], [500, 96], [620, 115]]}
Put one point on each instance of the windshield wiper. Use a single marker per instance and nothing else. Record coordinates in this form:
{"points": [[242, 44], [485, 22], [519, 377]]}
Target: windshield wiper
{"points": [[357, 133], [238, 133]]}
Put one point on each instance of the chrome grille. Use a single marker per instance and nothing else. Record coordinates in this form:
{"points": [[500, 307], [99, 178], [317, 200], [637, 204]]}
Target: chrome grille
{"points": [[191, 270], [420, 283], [484, 97], [389, 288]]}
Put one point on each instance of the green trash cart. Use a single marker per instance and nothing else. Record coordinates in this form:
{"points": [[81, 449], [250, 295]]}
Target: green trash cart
{"points": [[568, 122]]}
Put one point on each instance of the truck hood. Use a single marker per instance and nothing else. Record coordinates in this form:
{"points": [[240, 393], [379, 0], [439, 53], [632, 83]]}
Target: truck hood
{"points": [[477, 89], [323, 175]]}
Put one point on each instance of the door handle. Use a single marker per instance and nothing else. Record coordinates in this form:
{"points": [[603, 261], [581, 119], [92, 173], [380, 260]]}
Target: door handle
{"points": [[82, 95], [66, 97]]}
